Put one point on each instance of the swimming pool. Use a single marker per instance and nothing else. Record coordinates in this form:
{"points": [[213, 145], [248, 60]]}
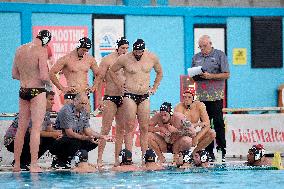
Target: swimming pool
{"points": [[196, 178]]}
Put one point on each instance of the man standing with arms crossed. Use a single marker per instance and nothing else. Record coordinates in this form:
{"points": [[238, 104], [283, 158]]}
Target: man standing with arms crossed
{"points": [[112, 102], [75, 67], [30, 68], [210, 88], [137, 66]]}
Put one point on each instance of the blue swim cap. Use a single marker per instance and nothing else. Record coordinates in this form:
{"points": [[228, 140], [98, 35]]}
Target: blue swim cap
{"points": [[126, 157], [81, 156], [139, 44], [150, 156], [122, 41], [167, 107]]}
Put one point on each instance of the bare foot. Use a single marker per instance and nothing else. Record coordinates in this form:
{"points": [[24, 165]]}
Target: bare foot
{"points": [[116, 163], [35, 169], [99, 163], [161, 159], [16, 168]]}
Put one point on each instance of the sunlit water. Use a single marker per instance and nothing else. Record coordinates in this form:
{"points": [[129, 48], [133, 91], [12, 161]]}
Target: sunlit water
{"points": [[196, 178]]}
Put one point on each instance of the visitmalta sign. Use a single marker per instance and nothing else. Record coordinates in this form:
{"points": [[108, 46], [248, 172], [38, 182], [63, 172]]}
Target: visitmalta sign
{"points": [[245, 130]]}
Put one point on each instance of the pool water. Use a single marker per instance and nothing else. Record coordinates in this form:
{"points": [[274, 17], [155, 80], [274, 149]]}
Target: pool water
{"points": [[194, 178]]}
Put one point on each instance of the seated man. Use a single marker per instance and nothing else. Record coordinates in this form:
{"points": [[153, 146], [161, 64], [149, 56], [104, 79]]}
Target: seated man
{"points": [[195, 112], [126, 163], [201, 158], [184, 159], [167, 133], [81, 163], [256, 156], [69, 97], [9, 138], [73, 120], [150, 161], [47, 136]]}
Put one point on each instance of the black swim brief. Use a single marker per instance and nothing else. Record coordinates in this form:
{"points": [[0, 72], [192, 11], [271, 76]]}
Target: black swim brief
{"points": [[115, 99], [69, 96], [30, 93], [169, 148], [137, 98]]}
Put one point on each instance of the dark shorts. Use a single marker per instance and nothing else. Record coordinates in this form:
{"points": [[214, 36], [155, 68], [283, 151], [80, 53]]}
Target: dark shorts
{"points": [[30, 93], [118, 100], [66, 147], [137, 98]]}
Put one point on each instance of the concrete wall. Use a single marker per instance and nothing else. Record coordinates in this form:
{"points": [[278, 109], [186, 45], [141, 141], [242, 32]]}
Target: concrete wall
{"points": [[164, 36], [249, 87], [10, 38]]}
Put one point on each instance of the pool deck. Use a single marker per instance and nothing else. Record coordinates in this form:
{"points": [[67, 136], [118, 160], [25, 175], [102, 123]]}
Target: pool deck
{"points": [[108, 165]]}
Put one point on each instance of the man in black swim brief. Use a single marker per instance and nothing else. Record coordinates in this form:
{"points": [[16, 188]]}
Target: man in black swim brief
{"points": [[137, 66], [115, 99], [31, 69], [30, 93], [137, 98]]}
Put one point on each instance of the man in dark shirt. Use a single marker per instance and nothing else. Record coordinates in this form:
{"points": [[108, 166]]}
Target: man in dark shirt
{"points": [[73, 120], [210, 87], [47, 135]]}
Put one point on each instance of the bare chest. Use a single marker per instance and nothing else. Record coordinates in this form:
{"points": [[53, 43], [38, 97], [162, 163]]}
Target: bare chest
{"points": [[192, 114], [134, 67], [77, 66]]}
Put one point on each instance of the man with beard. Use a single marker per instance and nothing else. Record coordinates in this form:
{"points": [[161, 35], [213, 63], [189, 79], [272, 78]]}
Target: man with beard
{"points": [[137, 66]]}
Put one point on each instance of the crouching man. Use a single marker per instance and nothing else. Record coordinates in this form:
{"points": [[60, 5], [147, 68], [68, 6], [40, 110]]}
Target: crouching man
{"points": [[47, 135], [168, 132], [73, 120]]}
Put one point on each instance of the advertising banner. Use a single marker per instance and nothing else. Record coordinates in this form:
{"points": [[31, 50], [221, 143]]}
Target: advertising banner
{"points": [[107, 31], [245, 130]]}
